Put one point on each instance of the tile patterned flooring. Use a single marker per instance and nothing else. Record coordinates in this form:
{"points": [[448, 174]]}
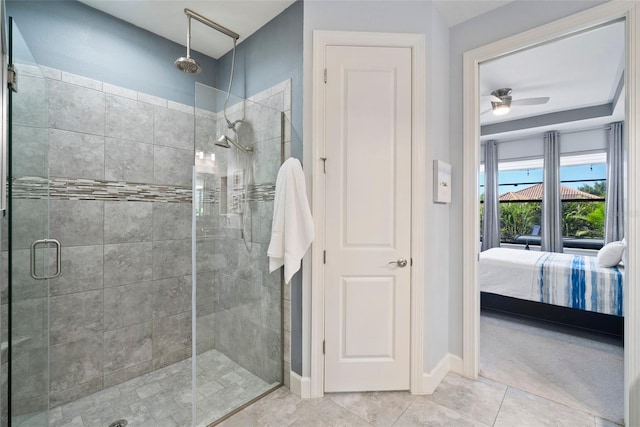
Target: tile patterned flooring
{"points": [[163, 397], [457, 402], [505, 400]]}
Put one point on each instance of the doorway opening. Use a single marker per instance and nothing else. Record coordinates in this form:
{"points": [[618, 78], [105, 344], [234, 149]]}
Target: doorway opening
{"points": [[573, 26]]}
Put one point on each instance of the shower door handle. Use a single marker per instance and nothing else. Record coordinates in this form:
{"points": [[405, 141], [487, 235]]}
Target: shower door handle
{"points": [[33, 258]]}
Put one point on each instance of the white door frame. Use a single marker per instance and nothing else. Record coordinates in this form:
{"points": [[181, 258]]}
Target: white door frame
{"points": [[322, 39], [630, 10]]}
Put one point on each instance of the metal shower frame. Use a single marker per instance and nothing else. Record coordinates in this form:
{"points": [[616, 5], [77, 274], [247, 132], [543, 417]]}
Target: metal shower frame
{"points": [[209, 23]]}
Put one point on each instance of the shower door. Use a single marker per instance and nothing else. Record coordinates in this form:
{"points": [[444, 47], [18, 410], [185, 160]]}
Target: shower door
{"points": [[29, 256]]}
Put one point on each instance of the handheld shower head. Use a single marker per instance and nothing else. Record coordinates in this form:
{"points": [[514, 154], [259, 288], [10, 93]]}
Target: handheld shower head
{"points": [[186, 64], [223, 142], [226, 142]]}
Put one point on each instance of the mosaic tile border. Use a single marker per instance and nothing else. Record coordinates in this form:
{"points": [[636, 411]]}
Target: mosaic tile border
{"points": [[257, 193], [262, 192], [90, 189]]}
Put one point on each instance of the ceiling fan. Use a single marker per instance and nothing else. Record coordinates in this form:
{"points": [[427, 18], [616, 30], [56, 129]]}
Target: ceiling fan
{"points": [[501, 101]]}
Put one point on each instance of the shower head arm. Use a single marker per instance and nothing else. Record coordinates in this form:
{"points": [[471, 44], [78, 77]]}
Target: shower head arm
{"points": [[245, 150], [226, 142], [188, 36], [209, 23]]}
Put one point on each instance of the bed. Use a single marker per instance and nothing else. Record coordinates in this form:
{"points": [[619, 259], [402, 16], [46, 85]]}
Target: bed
{"points": [[559, 287]]}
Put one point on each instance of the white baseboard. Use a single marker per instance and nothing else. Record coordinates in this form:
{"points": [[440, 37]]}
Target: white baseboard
{"points": [[300, 386], [430, 381], [456, 364]]}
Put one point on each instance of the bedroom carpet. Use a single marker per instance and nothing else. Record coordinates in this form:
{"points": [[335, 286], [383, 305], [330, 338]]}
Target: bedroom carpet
{"points": [[576, 368]]}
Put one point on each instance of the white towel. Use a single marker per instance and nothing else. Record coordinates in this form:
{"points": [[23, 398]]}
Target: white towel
{"points": [[292, 229]]}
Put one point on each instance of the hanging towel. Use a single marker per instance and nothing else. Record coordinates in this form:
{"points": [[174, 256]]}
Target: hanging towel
{"points": [[292, 229]]}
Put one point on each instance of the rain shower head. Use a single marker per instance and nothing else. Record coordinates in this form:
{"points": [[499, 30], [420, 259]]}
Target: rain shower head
{"points": [[226, 142], [188, 65]]}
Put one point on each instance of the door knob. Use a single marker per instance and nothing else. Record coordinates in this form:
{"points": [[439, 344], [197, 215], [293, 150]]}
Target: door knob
{"points": [[401, 262]]}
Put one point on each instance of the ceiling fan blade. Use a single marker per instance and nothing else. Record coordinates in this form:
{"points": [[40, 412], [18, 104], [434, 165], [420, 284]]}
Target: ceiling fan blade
{"points": [[493, 98], [530, 101]]}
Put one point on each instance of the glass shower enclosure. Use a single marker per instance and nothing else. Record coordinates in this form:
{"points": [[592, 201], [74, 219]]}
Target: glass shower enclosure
{"points": [[25, 354], [238, 302], [156, 307]]}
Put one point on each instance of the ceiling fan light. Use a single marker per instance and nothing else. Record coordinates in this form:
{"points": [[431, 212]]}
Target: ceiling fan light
{"points": [[501, 109]]}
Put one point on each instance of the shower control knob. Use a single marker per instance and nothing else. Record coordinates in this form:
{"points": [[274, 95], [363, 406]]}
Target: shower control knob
{"points": [[401, 262]]}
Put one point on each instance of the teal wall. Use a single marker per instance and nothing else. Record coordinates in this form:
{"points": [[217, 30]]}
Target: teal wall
{"points": [[70, 36], [271, 55]]}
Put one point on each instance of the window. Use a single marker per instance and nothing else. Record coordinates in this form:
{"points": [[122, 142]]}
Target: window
{"points": [[583, 187], [583, 180], [520, 195]]}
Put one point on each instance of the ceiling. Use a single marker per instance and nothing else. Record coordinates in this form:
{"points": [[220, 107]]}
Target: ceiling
{"points": [[456, 11], [581, 74], [167, 19], [576, 72]]}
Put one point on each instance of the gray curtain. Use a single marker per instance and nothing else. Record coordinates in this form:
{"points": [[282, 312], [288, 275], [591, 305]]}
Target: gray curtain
{"points": [[614, 209], [491, 219], [551, 238]]}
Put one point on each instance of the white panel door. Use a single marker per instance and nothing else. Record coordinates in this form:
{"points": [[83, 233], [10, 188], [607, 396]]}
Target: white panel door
{"points": [[368, 218]]}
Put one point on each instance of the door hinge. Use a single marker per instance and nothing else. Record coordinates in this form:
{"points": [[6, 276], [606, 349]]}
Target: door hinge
{"points": [[325, 75], [12, 78], [324, 257], [324, 164], [323, 346], [410, 262]]}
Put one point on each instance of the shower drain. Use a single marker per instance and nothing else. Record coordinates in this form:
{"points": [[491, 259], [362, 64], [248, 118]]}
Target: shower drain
{"points": [[119, 423]]}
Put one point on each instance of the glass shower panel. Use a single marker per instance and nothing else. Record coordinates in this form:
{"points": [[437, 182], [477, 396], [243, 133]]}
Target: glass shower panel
{"points": [[239, 336], [28, 207]]}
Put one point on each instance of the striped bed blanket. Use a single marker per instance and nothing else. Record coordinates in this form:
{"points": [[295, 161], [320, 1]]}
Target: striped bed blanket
{"points": [[576, 281]]}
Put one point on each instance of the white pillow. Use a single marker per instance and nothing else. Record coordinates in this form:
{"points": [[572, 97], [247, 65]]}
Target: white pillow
{"points": [[611, 254]]}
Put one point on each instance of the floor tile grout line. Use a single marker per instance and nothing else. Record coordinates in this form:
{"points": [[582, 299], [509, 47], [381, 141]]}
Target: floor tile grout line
{"points": [[549, 400], [456, 410], [354, 414], [405, 410], [301, 415], [351, 412], [504, 396], [450, 407]]}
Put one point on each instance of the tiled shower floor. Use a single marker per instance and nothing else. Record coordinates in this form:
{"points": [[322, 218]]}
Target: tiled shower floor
{"points": [[163, 397]]}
